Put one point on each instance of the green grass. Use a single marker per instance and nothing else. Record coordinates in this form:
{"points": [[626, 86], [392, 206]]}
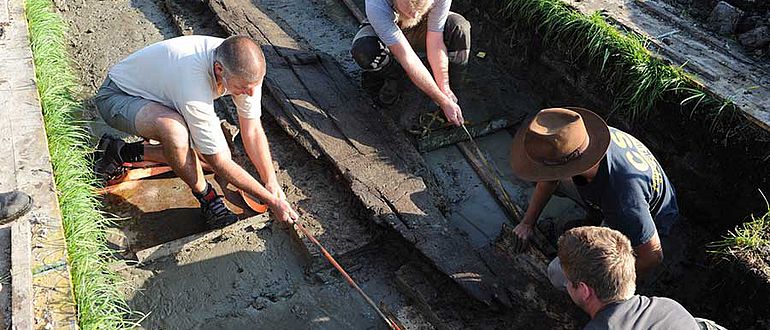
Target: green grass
{"points": [[749, 243], [635, 79], [99, 303]]}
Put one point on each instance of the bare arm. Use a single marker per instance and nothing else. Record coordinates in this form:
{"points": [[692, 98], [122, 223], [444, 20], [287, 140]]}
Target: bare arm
{"points": [[258, 149], [420, 76], [648, 255], [543, 192], [439, 62], [223, 165]]}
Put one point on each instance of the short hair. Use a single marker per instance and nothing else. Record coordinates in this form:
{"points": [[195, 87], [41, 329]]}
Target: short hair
{"points": [[602, 258], [241, 56]]}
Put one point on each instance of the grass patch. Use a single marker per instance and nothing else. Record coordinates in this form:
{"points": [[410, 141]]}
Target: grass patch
{"points": [[99, 304], [635, 79], [749, 243]]}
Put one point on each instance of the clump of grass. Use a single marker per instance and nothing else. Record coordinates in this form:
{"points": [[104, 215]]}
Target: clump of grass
{"points": [[749, 242], [635, 78], [99, 304]]}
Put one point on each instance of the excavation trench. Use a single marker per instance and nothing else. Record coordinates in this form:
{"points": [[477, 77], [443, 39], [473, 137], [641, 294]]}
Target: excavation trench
{"points": [[259, 275]]}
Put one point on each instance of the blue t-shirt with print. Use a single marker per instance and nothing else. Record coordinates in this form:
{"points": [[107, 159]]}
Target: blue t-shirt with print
{"points": [[631, 190]]}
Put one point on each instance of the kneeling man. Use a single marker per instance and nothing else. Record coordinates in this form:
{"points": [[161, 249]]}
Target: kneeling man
{"points": [[395, 28], [166, 92], [603, 169]]}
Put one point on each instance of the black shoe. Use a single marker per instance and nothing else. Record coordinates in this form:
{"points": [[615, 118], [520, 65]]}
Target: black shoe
{"points": [[389, 92], [214, 211], [13, 205], [108, 164]]}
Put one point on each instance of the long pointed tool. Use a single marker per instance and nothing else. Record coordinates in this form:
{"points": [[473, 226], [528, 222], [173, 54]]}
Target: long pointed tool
{"points": [[391, 323]]}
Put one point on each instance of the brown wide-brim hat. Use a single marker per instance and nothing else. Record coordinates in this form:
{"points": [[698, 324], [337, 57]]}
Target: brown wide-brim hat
{"points": [[526, 168]]}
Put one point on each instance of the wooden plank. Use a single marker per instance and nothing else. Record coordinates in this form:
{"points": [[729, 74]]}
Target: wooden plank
{"points": [[21, 275], [357, 12], [449, 136], [5, 17], [50, 296], [5, 276], [491, 180], [171, 248], [270, 104], [422, 290]]}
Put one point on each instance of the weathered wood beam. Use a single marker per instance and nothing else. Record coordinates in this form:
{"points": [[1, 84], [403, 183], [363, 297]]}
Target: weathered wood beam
{"points": [[452, 135], [492, 181], [357, 12], [22, 316], [172, 248]]}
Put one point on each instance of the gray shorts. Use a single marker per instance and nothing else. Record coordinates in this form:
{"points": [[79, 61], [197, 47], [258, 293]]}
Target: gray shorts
{"points": [[117, 108]]}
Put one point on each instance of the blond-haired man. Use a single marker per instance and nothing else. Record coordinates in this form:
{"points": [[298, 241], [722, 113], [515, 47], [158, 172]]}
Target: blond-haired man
{"points": [[598, 263], [395, 29]]}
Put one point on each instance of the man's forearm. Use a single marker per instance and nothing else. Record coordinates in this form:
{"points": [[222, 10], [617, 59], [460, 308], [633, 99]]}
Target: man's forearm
{"points": [[257, 148], [543, 192], [240, 178], [439, 62], [419, 74], [258, 151]]}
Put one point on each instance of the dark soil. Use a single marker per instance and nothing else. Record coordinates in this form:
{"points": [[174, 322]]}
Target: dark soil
{"points": [[716, 172]]}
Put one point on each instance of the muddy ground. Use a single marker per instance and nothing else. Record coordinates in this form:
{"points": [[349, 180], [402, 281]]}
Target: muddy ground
{"points": [[257, 278], [260, 276]]}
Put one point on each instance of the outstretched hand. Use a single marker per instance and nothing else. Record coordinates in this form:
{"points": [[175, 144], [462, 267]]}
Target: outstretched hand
{"points": [[283, 211], [453, 113], [523, 234]]}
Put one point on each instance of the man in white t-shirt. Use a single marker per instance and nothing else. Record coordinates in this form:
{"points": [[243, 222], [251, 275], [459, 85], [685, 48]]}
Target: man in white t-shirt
{"points": [[395, 29], [166, 92]]}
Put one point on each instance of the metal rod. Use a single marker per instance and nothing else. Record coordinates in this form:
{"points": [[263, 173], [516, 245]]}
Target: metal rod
{"points": [[392, 324]]}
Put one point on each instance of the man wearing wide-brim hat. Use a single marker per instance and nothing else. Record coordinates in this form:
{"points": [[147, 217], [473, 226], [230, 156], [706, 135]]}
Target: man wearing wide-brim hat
{"points": [[573, 149]]}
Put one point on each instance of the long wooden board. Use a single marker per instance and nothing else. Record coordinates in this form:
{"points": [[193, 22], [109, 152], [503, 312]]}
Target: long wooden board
{"points": [[42, 295], [22, 316]]}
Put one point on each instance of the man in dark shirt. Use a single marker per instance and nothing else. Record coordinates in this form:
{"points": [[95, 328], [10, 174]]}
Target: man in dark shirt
{"points": [[599, 266], [609, 171]]}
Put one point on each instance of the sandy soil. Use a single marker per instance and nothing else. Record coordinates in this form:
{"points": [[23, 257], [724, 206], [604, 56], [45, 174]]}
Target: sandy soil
{"points": [[256, 279]]}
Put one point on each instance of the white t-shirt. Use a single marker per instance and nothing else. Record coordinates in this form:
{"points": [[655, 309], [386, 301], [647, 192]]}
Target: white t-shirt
{"points": [[382, 15], [179, 73]]}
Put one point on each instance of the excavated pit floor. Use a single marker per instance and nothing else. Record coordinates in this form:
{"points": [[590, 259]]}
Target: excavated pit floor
{"points": [[258, 278]]}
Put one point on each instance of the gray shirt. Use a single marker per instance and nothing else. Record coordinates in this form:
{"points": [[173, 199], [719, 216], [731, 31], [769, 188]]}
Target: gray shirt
{"points": [[641, 312], [382, 15]]}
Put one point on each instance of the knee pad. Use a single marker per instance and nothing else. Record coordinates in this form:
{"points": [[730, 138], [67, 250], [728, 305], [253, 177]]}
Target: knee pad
{"points": [[370, 53], [457, 33]]}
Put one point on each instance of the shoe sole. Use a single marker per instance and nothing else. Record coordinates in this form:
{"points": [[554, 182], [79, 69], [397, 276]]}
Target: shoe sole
{"points": [[19, 214]]}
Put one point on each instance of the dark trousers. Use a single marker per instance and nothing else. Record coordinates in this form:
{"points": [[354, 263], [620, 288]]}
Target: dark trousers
{"points": [[374, 57]]}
